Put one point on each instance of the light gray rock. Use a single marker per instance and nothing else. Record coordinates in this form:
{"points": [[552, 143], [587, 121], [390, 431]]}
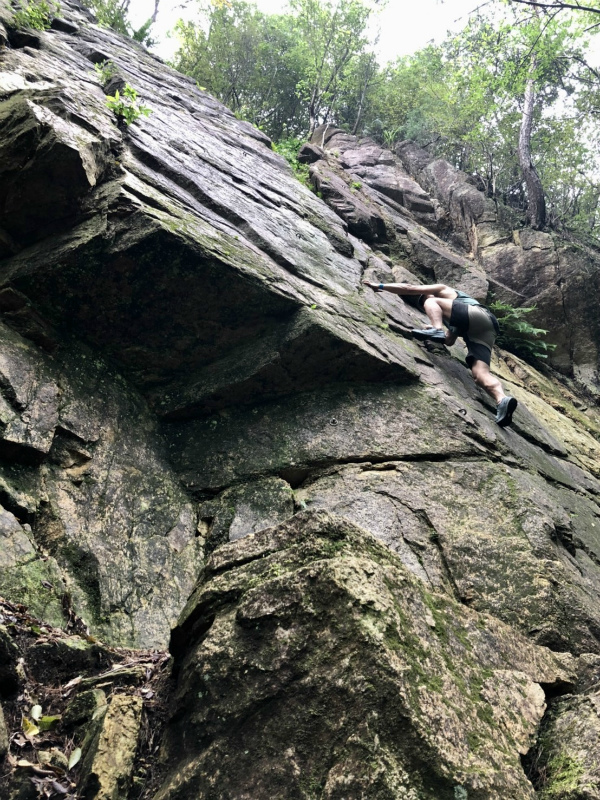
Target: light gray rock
{"points": [[108, 762], [4, 743], [245, 509], [567, 763]]}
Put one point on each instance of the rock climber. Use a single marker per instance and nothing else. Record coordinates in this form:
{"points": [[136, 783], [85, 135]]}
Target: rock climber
{"points": [[464, 316]]}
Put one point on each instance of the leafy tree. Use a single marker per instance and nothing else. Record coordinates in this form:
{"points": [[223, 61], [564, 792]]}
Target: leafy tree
{"points": [[492, 100], [510, 99], [285, 73], [558, 5], [332, 35], [248, 60], [114, 14]]}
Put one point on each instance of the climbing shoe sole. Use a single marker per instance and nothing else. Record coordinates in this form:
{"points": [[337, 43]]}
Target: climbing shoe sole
{"points": [[506, 409], [430, 336]]}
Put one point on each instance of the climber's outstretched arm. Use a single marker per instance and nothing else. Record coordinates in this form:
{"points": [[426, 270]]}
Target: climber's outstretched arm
{"points": [[433, 290]]}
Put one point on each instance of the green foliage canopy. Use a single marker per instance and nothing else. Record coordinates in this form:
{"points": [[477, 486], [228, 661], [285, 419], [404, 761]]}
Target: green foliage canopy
{"points": [[286, 73]]}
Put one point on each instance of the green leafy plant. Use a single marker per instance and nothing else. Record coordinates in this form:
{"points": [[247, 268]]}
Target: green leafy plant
{"points": [[126, 105], [390, 136], [288, 148], [114, 14], [105, 70], [517, 334], [36, 14]]}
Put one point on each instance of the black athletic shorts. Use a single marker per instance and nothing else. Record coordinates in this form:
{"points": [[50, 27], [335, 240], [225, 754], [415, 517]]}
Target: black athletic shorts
{"points": [[478, 327]]}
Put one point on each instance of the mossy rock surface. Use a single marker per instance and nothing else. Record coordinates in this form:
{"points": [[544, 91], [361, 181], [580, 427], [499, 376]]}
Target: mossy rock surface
{"points": [[309, 650]]}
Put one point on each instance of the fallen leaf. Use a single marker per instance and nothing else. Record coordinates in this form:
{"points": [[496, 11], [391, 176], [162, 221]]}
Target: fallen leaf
{"points": [[29, 729], [36, 712], [75, 757], [58, 787], [50, 722]]}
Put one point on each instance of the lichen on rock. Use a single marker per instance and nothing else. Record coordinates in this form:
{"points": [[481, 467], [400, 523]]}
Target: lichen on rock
{"points": [[309, 650]]}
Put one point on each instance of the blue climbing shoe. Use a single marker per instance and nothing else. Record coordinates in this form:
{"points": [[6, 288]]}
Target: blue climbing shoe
{"points": [[506, 409], [430, 335]]}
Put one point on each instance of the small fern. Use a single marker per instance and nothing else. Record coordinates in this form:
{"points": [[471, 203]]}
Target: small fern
{"points": [[517, 334]]}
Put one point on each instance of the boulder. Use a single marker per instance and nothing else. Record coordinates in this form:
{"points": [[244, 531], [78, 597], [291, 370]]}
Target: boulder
{"points": [[332, 649]]}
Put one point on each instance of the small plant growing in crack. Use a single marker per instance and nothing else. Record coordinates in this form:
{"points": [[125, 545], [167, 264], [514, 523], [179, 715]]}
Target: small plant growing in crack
{"points": [[36, 14], [126, 105], [105, 70]]}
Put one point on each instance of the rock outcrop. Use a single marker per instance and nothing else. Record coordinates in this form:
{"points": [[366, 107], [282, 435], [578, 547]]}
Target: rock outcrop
{"points": [[199, 398], [525, 267], [314, 661]]}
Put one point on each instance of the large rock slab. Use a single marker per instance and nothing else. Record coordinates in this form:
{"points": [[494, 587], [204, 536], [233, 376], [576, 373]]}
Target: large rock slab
{"points": [[189, 201], [292, 437], [108, 763], [99, 525], [497, 538], [308, 650], [568, 757]]}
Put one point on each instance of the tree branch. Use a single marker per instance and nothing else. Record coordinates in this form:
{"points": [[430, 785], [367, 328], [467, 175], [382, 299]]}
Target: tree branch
{"points": [[558, 6]]}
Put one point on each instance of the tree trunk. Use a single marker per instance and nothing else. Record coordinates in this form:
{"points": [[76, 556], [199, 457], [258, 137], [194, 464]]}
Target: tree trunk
{"points": [[536, 206]]}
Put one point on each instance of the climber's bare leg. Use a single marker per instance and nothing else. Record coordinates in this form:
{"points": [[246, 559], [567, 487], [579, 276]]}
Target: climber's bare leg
{"points": [[484, 378], [438, 309]]}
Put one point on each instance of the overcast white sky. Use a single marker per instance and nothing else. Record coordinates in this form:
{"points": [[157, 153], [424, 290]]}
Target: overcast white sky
{"points": [[405, 25]]}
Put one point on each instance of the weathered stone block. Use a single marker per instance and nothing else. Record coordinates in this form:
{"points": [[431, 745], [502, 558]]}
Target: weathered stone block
{"points": [[108, 763], [308, 651]]}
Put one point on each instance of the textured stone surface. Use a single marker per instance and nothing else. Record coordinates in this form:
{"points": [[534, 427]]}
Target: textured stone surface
{"points": [[102, 483], [305, 651], [524, 267], [245, 509], [3, 736], [188, 357], [568, 759], [82, 708], [506, 555], [108, 762]]}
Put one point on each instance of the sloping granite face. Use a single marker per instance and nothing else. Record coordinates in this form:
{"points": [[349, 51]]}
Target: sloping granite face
{"points": [[188, 358]]}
